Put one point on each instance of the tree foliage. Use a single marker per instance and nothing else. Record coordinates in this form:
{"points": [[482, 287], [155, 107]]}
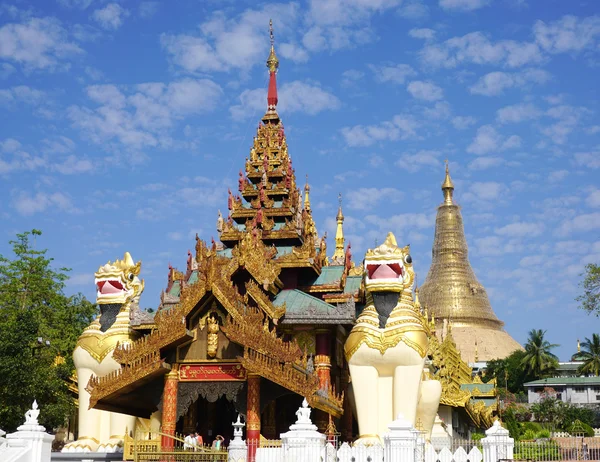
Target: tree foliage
{"points": [[590, 299], [509, 373], [590, 355], [33, 305], [539, 360]]}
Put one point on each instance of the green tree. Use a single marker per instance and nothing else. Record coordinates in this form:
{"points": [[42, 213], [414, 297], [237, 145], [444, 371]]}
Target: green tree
{"points": [[590, 355], [509, 372], [590, 300], [538, 359], [33, 305]]}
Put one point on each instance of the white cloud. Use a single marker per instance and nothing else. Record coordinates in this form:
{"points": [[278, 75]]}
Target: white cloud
{"points": [[295, 96], [111, 16], [569, 33], [140, 116], [292, 52], [484, 162], [414, 162], [495, 83], [21, 94], [351, 77], [588, 159], [580, 223], [476, 48], [147, 9], [488, 139], [463, 122], [521, 229], [175, 236], [81, 4], [73, 165], [27, 205], [14, 158], [485, 193], [463, 5], [395, 73], [517, 113], [401, 127], [567, 119], [367, 198], [593, 199], [426, 91], [37, 43], [413, 9], [557, 176], [229, 43], [425, 34]]}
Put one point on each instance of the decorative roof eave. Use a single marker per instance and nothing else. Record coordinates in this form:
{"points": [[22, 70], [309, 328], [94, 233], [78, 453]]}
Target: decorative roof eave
{"points": [[126, 379], [263, 302], [287, 375], [326, 404]]}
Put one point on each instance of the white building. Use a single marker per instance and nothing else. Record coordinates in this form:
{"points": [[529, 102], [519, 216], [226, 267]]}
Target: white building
{"points": [[574, 390]]}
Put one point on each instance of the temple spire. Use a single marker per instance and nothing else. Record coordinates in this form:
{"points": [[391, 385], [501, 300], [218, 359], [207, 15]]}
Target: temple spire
{"points": [[272, 65], [448, 187], [307, 195], [339, 233]]}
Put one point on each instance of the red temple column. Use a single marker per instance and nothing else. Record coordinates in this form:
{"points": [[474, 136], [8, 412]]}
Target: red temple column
{"points": [[253, 415], [323, 358], [169, 409]]}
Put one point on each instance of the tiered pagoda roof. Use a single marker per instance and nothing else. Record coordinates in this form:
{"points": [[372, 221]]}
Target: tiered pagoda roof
{"points": [[270, 269]]}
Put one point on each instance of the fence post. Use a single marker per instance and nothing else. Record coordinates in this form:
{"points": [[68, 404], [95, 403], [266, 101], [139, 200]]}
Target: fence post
{"points": [[497, 443], [32, 437], [402, 443], [237, 450]]}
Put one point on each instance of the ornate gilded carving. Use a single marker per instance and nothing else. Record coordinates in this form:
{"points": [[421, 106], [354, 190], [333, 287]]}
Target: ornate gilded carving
{"points": [[212, 336], [253, 331], [100, 387], [262, 300], [285, 374]]}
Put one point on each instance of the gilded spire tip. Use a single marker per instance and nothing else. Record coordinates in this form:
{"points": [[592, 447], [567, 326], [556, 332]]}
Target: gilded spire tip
{"points": [[272, 61], [448, 187]]}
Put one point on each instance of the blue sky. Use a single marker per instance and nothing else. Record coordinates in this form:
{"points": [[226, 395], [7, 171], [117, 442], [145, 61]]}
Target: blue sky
{"points": [[123, 123]]}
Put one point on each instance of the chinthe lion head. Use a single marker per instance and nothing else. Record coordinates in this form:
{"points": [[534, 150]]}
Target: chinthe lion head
{"points": [[118, 282], [388, 268]]}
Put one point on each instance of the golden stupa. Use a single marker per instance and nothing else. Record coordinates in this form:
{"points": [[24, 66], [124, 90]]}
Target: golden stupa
{"points": [[453, 294]]}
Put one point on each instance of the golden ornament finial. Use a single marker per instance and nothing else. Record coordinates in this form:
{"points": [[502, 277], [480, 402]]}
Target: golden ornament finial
{"points": [[272, 61], [338, 255], [307, 195], [448, 187], [476, 352], [578, 346]]}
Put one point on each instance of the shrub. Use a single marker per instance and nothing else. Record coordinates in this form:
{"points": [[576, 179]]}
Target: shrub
{"points": [[535, 451], [529, 435], [578, 427], [477, 436], [543, 433], [534, 426]]}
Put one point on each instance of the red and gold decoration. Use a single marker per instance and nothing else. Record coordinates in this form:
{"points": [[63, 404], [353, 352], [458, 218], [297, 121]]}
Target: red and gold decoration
{"points": [[169, 408], [253, 415], [212, 373]]}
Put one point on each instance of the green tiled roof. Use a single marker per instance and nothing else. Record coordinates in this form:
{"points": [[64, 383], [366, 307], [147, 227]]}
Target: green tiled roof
{"points": [[486, 401], [304, 308], [224, 253], [193, 277], [175, 289], [297, 301], [329, 275], [482, 387], [352, 284], [564, 381]]}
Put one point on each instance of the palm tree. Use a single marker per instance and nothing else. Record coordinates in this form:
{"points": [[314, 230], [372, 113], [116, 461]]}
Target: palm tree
{"points": [[590, 355], [538, 359]]}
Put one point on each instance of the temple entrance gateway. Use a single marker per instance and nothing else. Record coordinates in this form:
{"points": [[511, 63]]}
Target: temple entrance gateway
{"points": [[209, 408]]}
